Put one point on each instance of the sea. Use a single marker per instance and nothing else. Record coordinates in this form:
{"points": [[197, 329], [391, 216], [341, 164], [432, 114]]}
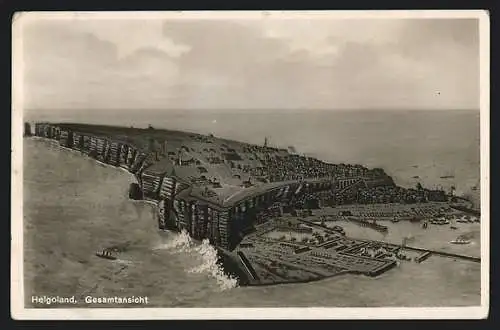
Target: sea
{"points": [[74, 206]]}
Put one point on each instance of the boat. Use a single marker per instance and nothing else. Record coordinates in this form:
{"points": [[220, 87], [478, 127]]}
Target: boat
{"points": [[447, 175], [440, 221], [460, 240], [106, 254], [416, 177]]}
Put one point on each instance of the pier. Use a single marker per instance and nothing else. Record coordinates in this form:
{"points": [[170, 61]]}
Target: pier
{"points": [[372, 225], [431, 252]]}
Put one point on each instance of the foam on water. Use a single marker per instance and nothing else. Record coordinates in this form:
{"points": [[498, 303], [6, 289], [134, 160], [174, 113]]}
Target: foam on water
{"points": [[205, 253], [123, 262], [210, 265], [180, 242]]}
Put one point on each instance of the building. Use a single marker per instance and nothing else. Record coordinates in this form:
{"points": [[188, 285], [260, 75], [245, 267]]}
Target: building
{"points": [[123, 157], [151, 184], [167, 196], [114, 153], [77, 141], [85, 144], [65, 139]]}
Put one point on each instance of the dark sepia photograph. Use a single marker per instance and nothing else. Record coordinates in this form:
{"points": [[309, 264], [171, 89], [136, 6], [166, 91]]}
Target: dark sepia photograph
{"points": [[204, 164]]}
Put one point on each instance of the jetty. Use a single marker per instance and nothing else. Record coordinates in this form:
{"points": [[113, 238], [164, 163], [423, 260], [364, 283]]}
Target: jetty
{"points": [[369, 224]]}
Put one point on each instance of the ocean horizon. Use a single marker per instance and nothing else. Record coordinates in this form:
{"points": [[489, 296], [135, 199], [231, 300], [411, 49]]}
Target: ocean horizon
{"points": [[411, 145]]}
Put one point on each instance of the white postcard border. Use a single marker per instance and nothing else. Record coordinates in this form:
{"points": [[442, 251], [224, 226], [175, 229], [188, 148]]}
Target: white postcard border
{"points": [[17, 286]]}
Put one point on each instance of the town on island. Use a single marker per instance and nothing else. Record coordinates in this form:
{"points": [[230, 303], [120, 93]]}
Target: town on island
{"points": [[271, 212]]}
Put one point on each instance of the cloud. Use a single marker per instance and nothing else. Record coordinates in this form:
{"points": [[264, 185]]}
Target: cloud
{"points": [[78, 66], [268, 63]]}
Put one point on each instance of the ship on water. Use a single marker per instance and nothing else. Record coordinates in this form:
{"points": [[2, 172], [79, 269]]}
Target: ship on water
{"points": [[252, 202], [106, 254]]}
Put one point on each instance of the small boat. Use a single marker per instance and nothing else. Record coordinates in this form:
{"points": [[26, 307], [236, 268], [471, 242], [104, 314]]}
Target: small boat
{"points": [[440, 221], [453, 227], [460, 241], [106, 254], [416, 177], [447, 177]]}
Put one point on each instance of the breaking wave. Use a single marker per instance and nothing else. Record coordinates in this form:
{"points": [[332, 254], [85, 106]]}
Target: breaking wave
{"points": [[211, 266], [182, 242]]}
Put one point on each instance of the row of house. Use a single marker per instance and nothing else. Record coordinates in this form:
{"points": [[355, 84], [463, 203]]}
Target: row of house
{"points": [[115, 153], [200, 219], [178, 209]]}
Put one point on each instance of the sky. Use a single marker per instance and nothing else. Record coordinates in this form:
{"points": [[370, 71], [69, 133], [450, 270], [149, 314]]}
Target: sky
{"points": [[269, 63]]}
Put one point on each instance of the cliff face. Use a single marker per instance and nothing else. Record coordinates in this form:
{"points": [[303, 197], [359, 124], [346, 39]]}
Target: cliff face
{"points": [[226, 193]]}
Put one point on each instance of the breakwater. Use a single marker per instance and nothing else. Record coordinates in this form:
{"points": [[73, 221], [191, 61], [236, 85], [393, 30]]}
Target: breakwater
{"points": [[466, 210], [369, 224], [432, 252]]}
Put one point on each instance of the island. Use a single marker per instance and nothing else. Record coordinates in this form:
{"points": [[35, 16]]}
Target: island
{"points": [[269, 211]]}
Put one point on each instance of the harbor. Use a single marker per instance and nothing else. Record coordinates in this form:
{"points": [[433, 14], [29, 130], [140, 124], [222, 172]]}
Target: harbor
{"points": [[293, 246]]}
